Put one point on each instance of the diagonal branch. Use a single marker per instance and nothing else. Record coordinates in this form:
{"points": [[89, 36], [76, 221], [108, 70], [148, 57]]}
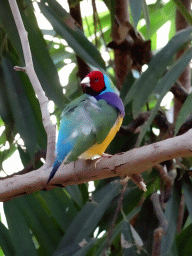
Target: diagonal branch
{"points": [[125, 164], [29, 69]]}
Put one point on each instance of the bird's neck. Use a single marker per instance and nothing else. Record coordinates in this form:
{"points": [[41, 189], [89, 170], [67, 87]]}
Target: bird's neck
{"points": [[112, 99]]}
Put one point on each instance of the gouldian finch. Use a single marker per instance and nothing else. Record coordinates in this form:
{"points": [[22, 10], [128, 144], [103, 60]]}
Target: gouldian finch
{"points": [[90, 122]]}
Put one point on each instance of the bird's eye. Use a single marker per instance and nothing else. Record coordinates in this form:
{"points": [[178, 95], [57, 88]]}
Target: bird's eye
{"points": [[96, 79]]}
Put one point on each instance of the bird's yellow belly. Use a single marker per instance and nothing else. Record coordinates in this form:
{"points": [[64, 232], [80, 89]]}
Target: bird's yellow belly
{"points": [[99, 149]]}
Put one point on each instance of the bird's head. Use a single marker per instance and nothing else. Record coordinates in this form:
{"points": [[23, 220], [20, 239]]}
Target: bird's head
{"points": [[96, 83]]}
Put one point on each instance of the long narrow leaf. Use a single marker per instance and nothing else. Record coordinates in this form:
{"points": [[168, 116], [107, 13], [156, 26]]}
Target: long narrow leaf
{"points": [[19, 230], [145, 85], [75, 193], [101, 244], [67, 29], [157, 66], [187, 191], [171, 213], [186, 14], [136, 8], [166, 83], [146, 14], [5, 109], [88, 217], [44, 67], [5, 241], [61, 207], [184, 113], [40, 223], [128, 241], [184, 241], [22, 112], [158, 17]]}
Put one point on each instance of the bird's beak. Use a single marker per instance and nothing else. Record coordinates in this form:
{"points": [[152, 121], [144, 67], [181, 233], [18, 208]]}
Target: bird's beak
{"points": [[86, 82]]}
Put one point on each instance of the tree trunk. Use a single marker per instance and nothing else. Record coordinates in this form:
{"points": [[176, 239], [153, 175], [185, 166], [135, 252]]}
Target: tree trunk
{"points": [[83, 68], [185, 78], [122, 60]]}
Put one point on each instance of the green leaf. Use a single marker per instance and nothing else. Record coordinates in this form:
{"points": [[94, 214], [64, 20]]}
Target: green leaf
{"points": [[61, 54], [157, 67], [75, 193], [67, 29], [73, 89], [166, 11], [5, 241], [24, 156], [136, 8], [166, 83], [172, 30], [41, 134], [8, 152], [76, 249], [146, 14], [19, 231], [61, 207], [187, 191], [5, 109], [3, 137], [10, 28], [88, 217], [131, 242], [186, 14], [184, 241], [39, 222], [86, 248], [101, 244], [184, 112], [1, 122], [44, 67], [22, 112], [171, 213], [111, 4], [132, 195], [88, 24]]}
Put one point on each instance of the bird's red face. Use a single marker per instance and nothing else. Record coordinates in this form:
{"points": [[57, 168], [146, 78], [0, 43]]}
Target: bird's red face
{"points": [[93, 84]]}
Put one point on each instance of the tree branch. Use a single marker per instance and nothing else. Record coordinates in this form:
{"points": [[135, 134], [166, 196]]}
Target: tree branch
{"points": [[29, 69], [125, 164], [132, 162]]}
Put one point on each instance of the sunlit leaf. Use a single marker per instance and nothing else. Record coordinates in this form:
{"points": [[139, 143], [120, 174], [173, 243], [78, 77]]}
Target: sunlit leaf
{"points": [[68, 30]]}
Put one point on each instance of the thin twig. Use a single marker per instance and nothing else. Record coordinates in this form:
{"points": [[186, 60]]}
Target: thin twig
{"points": [[30, 167], [181, 214], [163, 225], [29, 69], [138, 180]]}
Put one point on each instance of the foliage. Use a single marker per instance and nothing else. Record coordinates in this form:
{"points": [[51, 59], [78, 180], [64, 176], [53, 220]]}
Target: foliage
{"points": [[71, 220]]}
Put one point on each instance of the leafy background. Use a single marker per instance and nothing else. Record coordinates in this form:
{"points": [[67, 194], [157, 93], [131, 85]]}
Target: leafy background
{"points": [[115, 218]]}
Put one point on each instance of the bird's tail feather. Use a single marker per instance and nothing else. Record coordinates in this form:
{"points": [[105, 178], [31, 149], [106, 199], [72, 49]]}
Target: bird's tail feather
{"points": [[55, 168]]}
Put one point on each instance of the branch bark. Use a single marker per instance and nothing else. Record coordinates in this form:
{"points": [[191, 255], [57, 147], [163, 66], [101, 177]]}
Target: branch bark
{"points": [[125, 164]]}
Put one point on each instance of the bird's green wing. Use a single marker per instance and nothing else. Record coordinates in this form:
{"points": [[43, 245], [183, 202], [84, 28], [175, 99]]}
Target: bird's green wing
{"points": [[85, 123]]}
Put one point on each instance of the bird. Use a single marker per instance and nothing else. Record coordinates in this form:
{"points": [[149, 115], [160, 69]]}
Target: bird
{"points": [[90, 122]]}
